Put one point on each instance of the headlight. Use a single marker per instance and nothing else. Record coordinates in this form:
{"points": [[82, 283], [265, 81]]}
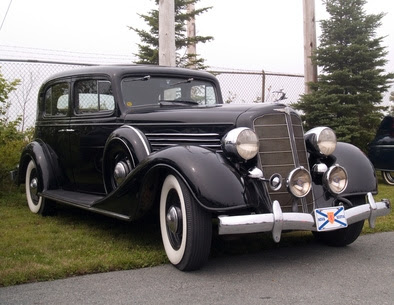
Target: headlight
{"points": [[299, 182], [335, 179], [321, 140], [241, 143]]}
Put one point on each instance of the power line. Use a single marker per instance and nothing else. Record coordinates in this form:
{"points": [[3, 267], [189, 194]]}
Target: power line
{"points": [[61, 52], [5, 16]]}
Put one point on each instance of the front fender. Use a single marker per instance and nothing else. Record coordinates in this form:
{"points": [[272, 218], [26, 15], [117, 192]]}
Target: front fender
{"points": [[40, 154], [213, 181], [211, 178], [361, 173]]}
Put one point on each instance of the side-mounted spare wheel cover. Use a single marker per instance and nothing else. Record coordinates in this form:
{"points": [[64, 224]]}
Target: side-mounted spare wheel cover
{"points": [[124, 149]]}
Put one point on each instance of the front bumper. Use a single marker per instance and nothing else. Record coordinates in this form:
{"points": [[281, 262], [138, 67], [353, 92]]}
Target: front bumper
{"points": [[277, 221]]}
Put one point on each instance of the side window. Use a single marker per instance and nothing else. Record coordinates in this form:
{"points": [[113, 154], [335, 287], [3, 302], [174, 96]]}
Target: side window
{"points": [[92, 96], [56, 99]]}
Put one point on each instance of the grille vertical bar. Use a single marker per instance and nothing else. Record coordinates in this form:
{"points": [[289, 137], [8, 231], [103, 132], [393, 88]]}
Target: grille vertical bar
{"points": [[282, 148]]}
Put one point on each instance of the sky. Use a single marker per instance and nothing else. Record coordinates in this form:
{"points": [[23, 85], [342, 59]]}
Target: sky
{"points": [[248, 35]]}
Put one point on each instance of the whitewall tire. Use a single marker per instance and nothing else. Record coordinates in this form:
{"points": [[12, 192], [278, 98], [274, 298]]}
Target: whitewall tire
{"points": [[186, 228], [37, 204]]}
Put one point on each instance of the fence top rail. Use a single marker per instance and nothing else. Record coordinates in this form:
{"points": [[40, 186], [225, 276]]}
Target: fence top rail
{"points": [[255, 73], [34, 61], [262, 72]]}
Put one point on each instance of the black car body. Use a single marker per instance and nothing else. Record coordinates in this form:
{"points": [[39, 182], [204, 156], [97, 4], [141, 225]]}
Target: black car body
{"points": [[122, 140], [381, 149]]}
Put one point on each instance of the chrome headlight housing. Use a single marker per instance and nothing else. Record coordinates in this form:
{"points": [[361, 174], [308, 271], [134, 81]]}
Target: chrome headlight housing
{"points": [[299, 182], [335, 179], [321, 140], [241, 143]]}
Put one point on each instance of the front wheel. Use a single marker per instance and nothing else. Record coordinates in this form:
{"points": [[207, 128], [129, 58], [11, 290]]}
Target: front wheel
{"points": [[186, 228], [388, 177], [37, 204], [342, 237]]}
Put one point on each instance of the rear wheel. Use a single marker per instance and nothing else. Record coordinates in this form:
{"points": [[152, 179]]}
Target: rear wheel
{"points": [[388, 177], [186, 228], [37, 204]]}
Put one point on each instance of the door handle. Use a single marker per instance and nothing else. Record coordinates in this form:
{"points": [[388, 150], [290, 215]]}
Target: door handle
{"points": [[66, 130]]}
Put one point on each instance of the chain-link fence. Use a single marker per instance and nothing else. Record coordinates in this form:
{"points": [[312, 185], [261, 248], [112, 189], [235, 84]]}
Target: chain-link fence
{"points": [[237, 86], [258, 87]]}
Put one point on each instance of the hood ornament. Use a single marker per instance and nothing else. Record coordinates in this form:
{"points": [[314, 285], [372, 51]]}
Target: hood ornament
{"points": [[286, 110]]}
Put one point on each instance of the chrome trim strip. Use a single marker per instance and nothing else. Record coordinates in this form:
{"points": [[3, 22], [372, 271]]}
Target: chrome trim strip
{"points": [[183, 140], [277, 221], [175, 144], [138, 132], [199, 135]]}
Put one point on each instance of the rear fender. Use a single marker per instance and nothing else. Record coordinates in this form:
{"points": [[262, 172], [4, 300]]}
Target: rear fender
{"points": [[40, 154]]}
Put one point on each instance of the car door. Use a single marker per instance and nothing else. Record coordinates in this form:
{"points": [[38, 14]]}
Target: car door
{"points": [[53, 128], [93, 120]]}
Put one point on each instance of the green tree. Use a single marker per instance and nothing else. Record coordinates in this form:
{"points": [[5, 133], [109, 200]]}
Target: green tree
{"points": [[348, 93], [149, 46]]}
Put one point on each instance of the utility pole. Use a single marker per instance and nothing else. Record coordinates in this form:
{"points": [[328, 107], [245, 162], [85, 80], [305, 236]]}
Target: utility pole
{"points": [[167, 33], [191, 32], [310, 70]]}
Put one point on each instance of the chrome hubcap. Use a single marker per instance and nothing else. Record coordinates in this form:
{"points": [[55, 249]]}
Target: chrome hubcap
{"points": [[33, 190], [174, 219], [121, 171], [33, 184]]}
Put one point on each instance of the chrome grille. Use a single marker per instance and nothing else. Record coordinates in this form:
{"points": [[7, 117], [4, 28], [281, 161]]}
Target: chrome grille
{"points": [[163, 140], [282, 148]]}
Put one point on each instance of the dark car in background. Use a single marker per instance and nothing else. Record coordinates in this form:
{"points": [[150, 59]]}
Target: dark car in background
{"points": [[381, 149], [125, 140]]}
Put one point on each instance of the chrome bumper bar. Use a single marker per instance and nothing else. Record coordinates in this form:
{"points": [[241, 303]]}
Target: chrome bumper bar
{"points": [[277, 221]]}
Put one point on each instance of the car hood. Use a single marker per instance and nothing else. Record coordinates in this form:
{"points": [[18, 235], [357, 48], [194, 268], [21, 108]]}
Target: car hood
{"points": [[225, 114]]}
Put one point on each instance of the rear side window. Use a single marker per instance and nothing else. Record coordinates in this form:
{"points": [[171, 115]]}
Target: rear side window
{"points": [[92, 96], [56, 99]]}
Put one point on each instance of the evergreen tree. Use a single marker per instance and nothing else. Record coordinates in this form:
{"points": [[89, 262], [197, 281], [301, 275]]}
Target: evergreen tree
{"points": [[149, 46], [348, 94]]}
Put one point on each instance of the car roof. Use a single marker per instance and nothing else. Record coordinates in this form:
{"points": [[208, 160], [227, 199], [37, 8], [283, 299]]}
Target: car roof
{"points": [[118, 71]]}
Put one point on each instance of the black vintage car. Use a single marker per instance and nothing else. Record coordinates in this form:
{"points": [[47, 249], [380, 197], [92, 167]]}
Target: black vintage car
{"points": [[123, 140], [381, 149]]}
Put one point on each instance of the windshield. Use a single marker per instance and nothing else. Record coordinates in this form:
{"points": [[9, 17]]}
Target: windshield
{"points": [[145, 90]]}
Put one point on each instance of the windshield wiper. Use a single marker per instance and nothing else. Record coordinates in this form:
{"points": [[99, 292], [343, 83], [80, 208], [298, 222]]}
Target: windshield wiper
{"points": [[189, 80], [144, 78], [177, 102]]}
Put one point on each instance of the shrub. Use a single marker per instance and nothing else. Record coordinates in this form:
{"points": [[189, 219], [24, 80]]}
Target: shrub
{"points": [[11, 140]]}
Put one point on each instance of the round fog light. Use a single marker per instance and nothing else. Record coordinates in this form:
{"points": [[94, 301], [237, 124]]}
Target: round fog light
{"points": [[336, 179], [275, 182], [299, 182]]}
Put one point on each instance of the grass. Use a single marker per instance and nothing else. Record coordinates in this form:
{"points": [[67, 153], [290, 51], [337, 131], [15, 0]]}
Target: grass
{"points": [[75, 242]]}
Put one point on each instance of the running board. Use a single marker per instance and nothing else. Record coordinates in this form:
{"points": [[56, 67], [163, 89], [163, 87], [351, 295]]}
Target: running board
{"points": [[73, 198], [81, 200]]}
